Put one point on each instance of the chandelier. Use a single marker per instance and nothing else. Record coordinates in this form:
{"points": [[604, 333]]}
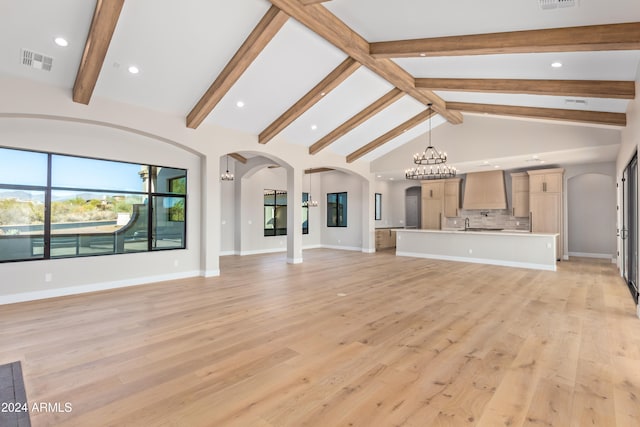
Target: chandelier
{"points": [[310, 202], [227, 176], [431, 163]]}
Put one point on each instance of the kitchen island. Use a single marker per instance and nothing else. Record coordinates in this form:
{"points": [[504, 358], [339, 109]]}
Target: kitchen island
{"points": [[506, 248]]}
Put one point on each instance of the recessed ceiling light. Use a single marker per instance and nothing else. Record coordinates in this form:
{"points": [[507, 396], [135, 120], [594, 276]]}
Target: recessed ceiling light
{"points": [[314, 127], [379, 176], [323, 93], [423, 54], [496, 167], [239, 104], [61, 41], [390, 179], [556, 64], [133, 69]]}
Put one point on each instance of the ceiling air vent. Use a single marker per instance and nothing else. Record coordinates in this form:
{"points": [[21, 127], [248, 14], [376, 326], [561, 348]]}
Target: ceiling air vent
{"points": [[556, 4], [36, 60], [575, 101]]}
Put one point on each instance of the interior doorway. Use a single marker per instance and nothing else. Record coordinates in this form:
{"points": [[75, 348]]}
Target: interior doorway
{"points": [[629, 232], [413, 207]]}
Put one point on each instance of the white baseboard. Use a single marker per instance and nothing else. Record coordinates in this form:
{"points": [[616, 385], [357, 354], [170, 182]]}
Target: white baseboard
{"points": [[294, 260], [94, 287], [263, 251], [312, 247], [592, 255], [210, 273], [479, 261], [343, 248]]}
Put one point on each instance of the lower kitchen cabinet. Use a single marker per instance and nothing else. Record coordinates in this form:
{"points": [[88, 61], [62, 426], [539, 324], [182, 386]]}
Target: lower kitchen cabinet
{"points": [[385, 238]]}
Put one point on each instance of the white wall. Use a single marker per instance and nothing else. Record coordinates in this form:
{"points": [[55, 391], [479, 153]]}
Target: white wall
{"points": [[385, 188], [591, 210], [349, 237], [252, 215]]}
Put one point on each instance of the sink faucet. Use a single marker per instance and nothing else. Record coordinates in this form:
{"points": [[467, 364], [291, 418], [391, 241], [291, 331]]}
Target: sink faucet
{"points": [[466, 223]]}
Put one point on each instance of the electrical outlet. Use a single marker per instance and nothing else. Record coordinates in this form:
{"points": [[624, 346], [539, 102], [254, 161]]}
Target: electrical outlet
{"points": [[517, 222], [470, 251], [48, 277]]}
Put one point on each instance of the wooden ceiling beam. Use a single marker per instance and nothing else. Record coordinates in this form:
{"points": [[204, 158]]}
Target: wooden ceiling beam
{"points": [[261, 35], [572, 39], [393, 133], [337, 76], [239, 157], [593, 117], [103, 25], [582, 88], [317, 170], [389, 98], [322, 22], [308, 2]]}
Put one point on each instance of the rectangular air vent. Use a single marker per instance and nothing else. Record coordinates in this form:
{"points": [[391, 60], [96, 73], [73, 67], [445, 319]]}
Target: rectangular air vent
{"points": [[556, 4], [36, 60], [575, 101]]}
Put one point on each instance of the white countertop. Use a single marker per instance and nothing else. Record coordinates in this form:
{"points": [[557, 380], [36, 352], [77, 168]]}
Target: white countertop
{"points": [[486, 233]]}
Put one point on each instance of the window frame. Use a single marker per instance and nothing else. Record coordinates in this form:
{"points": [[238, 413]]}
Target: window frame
{"points": [[275, 206], [377, 214], [148, 195], [340, 205]]}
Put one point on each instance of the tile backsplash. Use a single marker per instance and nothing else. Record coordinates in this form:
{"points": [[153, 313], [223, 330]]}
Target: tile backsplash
{"points": [[490, 218]]}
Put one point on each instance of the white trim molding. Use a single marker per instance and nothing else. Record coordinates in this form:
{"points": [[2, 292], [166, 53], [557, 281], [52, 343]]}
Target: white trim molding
{"points": [[94, 287]]}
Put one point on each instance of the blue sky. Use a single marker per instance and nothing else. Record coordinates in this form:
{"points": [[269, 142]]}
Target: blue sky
{"points": [[30, 168]]}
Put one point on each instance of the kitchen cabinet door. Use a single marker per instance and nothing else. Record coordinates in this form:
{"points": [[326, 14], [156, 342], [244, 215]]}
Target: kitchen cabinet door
{"points": [[432, 204], [452, 197], [520, 194], [546, 216]]}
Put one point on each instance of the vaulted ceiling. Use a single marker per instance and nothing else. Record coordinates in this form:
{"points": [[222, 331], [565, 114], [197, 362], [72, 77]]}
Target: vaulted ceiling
{"points": [[351, 76]]}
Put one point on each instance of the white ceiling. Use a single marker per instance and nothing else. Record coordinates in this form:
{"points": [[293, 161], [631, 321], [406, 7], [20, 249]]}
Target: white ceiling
{"points": [[181, 47]]}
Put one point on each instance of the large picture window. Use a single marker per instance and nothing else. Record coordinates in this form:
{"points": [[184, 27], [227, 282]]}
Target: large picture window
{"points": [[58, 206], [336, 209]]}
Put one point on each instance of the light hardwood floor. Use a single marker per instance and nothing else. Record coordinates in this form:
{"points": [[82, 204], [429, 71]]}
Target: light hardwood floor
{"points": [[343, 339]]}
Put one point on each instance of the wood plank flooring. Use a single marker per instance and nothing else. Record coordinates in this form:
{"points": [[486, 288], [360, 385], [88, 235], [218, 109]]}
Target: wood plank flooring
{"points": [[343, 339]]}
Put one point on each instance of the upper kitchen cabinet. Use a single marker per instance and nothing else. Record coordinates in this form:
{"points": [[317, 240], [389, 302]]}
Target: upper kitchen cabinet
{"points": [[520, 194], [546, 180], [452, 197]]}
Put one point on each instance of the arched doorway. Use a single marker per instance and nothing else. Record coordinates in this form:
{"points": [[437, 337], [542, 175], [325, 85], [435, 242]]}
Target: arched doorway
{"points": [[413, 207]]}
